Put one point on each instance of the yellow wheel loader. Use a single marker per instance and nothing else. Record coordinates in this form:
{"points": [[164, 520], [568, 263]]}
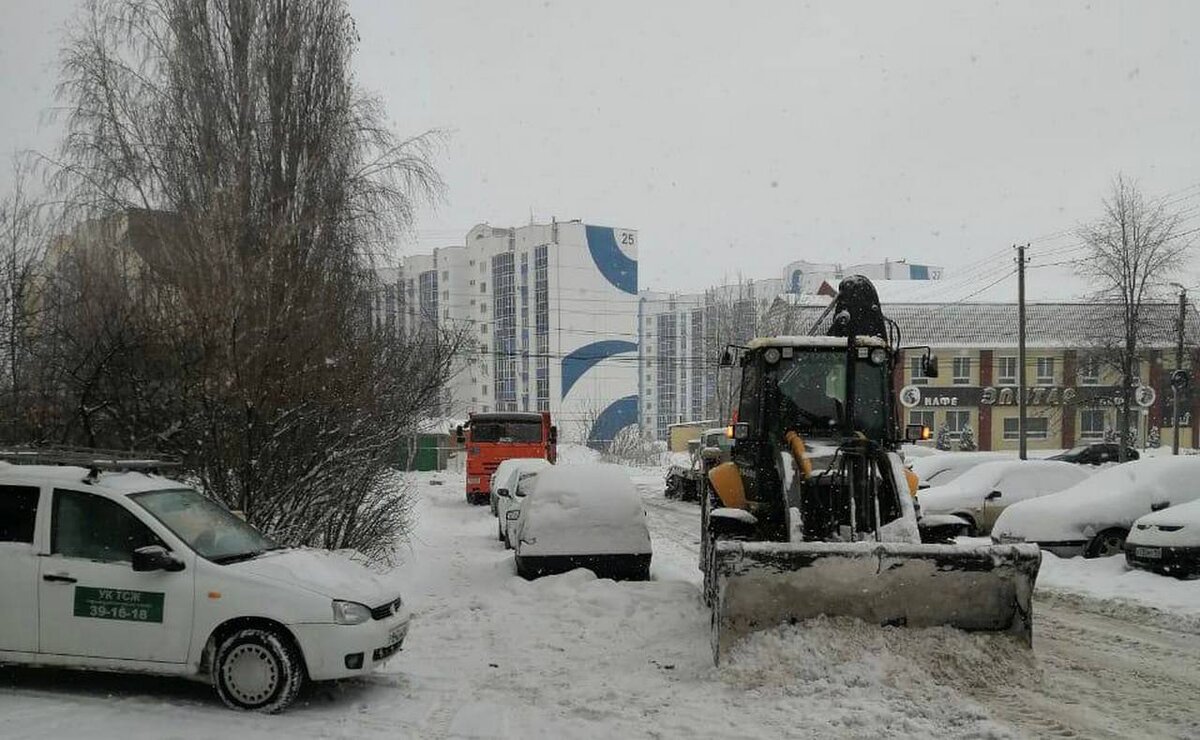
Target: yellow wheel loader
{"points": [[813, 514]]}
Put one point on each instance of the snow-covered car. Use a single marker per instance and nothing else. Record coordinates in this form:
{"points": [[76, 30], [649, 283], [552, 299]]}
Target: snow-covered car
{"points": [[1094, 516], [125, 571], [938, 470], [582, 516], [980, 494], [505, 476], [1167, 541], [511, 500]]}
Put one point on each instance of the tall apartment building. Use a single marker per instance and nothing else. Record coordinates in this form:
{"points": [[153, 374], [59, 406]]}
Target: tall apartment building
{"points": [[552, 313]]}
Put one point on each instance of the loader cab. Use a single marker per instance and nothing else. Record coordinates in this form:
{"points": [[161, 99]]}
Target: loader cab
{"points": [[820, 387]]}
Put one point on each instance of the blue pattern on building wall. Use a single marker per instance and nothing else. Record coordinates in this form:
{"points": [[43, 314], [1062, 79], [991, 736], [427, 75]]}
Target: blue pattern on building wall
{"points": [[581, 360], [620, 413], [613, 264]]}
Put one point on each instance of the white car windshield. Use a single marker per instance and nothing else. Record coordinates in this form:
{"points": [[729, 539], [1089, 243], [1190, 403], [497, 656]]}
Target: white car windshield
{"points": [[207, 527]]}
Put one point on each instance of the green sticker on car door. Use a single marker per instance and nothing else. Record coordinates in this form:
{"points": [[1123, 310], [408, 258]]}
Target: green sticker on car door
{"points": [[118, 603]]}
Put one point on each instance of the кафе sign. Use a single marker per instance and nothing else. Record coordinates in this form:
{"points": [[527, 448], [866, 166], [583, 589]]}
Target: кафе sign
{"points": [[912, 396]]}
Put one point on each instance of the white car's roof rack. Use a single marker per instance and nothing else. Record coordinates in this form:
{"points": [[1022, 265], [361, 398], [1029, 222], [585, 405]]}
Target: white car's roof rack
{"points": [[92, 458]]}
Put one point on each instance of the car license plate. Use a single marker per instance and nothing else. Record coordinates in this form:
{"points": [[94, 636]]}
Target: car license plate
{"points": [[397, 634], [1150, 553]]}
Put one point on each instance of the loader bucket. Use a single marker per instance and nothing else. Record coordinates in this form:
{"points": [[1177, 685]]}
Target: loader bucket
{"points": [[759, 585]]}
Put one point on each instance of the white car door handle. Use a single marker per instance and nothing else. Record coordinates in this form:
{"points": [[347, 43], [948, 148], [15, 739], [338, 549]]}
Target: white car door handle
{"points": [[58, 578]]}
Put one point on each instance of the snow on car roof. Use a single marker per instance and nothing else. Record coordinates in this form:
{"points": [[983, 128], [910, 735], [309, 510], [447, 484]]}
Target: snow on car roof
{"points": [[587, 486], [73, 476]]}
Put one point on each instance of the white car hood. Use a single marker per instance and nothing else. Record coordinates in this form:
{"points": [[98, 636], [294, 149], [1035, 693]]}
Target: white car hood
{"points": [[321, 572], [1182, 527]]}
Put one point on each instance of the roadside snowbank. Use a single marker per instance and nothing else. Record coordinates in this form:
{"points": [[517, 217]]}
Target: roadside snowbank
{"points": [[1111, 579]]}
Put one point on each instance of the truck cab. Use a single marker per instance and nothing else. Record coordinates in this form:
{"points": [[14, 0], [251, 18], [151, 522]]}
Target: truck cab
{"points": [[492, 438]]}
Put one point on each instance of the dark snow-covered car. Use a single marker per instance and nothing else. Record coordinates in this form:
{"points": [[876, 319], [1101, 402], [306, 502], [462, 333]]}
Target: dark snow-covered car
{"points": [[1096, 454], [582, 516], [1094, 516], [1167, 541]]}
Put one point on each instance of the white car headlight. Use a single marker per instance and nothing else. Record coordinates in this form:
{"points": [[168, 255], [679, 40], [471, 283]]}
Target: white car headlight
{"points": [[350, 612]]}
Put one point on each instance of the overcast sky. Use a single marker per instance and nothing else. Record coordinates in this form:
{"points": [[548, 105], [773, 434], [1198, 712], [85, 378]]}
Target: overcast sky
{"points": [[739, 136]]}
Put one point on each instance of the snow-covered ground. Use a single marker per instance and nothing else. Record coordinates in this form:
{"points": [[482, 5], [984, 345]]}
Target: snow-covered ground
{"points": [[493, 656]]}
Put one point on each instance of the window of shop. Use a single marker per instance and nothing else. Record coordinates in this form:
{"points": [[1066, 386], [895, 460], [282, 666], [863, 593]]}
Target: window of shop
{"points": [[962, 370], [1036, 427], [1006, 371], [955, 421], [924, 418], [1091, 424], [916, 373], [1045, 371]]}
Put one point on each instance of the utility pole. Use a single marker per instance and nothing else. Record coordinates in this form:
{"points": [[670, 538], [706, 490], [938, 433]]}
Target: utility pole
{"points": [[1176, 386], [1022, 451]]}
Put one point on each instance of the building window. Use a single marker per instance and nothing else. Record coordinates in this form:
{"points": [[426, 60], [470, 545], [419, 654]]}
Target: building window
{"points": [[1006, 371], [916, 372], [924, 418], [962, 370], [1091, 424], [955, 421], [445, 275], [1036, 427], [483, 329], [504, 311], [541, 326], [483, 284], [1045, 371], [1089, 371], [429, 295]]}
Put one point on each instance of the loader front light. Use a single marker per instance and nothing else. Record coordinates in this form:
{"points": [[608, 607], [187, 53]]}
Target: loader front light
{"points": [[878, 356]]}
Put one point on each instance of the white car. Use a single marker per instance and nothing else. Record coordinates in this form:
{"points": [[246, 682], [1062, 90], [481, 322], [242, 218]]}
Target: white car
{"points": [[505, 478], [938, 470], [1094, 516], [1167, 541], [511, 501], [979, 495], [136, 572], [582, 516]]}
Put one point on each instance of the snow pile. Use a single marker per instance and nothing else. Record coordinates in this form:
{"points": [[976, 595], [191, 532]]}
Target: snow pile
{"points": [[574, 454], [1111, 579], [1114, 497], [898, 678], [584, 510]]}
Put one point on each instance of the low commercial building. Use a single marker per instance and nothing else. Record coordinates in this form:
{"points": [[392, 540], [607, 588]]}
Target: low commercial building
{"points": [[1072, 373]]}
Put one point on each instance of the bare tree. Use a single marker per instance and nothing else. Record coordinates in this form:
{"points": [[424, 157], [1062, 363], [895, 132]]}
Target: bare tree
{"points": [[1132, 250], [25, 227], [257, 184]]}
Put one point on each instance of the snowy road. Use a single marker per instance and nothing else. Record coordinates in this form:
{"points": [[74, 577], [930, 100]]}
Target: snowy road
{"points": [[1101, 670], [493, 656]]}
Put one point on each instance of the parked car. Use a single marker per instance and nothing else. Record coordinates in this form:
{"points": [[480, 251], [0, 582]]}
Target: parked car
{"points": [[1094, 516], [512, 499], [1096, 454], [506, 477], [139, 573], [938, 470], [582, 516], [981, 493], [1167, 541]]}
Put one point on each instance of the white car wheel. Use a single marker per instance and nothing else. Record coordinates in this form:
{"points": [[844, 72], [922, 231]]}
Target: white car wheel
{"points": [[256, 669]]}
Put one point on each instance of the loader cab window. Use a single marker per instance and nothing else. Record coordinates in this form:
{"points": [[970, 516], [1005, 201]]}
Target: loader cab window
{"points": [[807, 393]]}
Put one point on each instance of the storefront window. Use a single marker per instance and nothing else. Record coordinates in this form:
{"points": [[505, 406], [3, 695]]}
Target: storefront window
{"points": [[1091, 424], [956, 420], [1037, 427]]}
